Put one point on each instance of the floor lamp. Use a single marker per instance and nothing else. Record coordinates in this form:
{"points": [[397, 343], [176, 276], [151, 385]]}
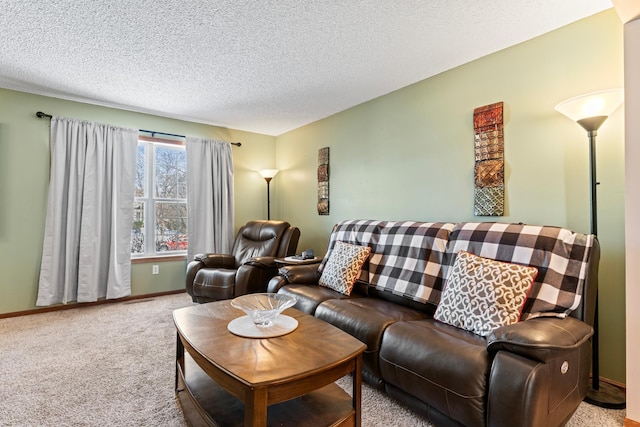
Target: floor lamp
{"points": [[590, 111], [268, 175]]}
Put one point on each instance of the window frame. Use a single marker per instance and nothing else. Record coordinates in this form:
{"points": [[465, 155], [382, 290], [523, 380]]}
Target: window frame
{"points": [[149, 201]]}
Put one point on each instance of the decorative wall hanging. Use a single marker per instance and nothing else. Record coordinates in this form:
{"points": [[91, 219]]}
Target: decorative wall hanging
{"points": [[489, 166], [323, 181]]}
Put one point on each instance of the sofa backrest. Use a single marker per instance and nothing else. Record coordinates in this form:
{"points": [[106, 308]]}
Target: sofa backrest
{"points": [[264, 238], [410, 261], [564, 260], [406, 257]]}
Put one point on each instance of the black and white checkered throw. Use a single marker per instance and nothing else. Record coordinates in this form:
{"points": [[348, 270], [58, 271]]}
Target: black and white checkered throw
{"points": [[406, 257], [560, 255], [413, 259]]}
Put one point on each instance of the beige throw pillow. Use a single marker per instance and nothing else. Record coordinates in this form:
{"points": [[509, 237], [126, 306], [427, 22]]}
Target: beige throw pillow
{"points": [[482, 294], [343, 267]]}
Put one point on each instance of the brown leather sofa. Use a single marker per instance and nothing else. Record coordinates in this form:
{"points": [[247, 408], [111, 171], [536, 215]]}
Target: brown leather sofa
{"points": [[531, 373], [249, 266]]}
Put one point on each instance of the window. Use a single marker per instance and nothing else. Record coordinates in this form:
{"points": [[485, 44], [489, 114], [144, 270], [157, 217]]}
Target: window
{"points": [[160, 204]]}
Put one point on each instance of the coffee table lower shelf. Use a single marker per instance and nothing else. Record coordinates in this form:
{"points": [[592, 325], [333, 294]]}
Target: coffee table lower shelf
{"points": [[205, 403]]}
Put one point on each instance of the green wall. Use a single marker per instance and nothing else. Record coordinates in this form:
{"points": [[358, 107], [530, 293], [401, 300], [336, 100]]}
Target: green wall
{"points": [[24, 177], [409, 155]]}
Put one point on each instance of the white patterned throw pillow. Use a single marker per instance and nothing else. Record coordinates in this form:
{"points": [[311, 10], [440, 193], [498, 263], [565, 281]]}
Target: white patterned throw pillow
{"points": [[482, 294], [343, 267]]}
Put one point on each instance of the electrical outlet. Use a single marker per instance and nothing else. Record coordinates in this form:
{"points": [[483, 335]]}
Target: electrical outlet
{"points": [[155, 269]]}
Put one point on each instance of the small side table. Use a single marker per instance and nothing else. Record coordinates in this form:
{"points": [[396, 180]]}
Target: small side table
{"points": [[281, 262]]}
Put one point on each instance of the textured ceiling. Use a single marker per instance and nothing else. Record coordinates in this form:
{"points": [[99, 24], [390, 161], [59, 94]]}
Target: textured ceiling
{"points": [[265, 66]]}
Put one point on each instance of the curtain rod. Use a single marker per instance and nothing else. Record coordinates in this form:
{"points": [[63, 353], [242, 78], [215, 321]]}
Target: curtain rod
{"points": [[154, 133], [41, 115]]}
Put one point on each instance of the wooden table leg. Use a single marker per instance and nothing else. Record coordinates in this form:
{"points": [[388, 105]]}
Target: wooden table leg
{"points": [[255, 408], [357, 390], [179, 358]]}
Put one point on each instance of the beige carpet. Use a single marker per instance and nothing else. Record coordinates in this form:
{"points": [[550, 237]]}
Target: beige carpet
{"points": [[113, 365]]}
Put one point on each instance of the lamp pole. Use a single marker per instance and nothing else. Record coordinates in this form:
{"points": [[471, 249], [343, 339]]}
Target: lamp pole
{"points": [[268, 175], [592, 171], [602, 395], [268, 179], [590, 111], [591, 125]]}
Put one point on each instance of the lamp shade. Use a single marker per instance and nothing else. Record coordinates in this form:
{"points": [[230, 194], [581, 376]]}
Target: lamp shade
{"points": [[268, 173], [595, 104]]}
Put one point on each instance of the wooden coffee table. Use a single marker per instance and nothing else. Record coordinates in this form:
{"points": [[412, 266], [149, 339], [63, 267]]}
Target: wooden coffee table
{"points": [[226, 380]]}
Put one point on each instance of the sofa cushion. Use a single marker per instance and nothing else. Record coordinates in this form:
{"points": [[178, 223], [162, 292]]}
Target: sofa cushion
{"points": [[560, 255], [437, 363], [482, 294], [366, 319], [343, 267]]}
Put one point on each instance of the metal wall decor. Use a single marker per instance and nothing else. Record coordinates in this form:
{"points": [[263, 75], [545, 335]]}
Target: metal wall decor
{"points": [[489, 165], [323, 181]]}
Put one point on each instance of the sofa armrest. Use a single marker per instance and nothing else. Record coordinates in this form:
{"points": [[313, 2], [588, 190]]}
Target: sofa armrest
{"points": [[252, 278], [262, 262], [275, 283], [541, 338], [216, 260], [192, 269], [300, 274]]}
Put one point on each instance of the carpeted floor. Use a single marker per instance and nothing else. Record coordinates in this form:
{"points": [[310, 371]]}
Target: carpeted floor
{"points": [[113, 365]]}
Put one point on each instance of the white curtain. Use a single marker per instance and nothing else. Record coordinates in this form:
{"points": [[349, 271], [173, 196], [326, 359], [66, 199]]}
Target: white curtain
{"points": [[86, 253], [209, 196]]}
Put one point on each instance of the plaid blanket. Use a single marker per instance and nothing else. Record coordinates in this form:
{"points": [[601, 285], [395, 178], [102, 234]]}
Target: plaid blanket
{"points": [[406, 257], [413, 259], [560, 255]]}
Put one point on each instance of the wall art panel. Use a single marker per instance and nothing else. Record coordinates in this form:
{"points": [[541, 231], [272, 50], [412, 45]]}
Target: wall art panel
{"points": [[489, 160], [323, 181]]}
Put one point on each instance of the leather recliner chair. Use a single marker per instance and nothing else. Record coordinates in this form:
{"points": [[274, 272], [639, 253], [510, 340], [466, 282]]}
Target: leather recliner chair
{"points": [[212, 277]]}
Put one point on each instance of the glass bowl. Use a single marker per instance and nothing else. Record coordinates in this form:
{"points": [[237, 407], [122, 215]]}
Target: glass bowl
{"points": [[263, 308]]}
